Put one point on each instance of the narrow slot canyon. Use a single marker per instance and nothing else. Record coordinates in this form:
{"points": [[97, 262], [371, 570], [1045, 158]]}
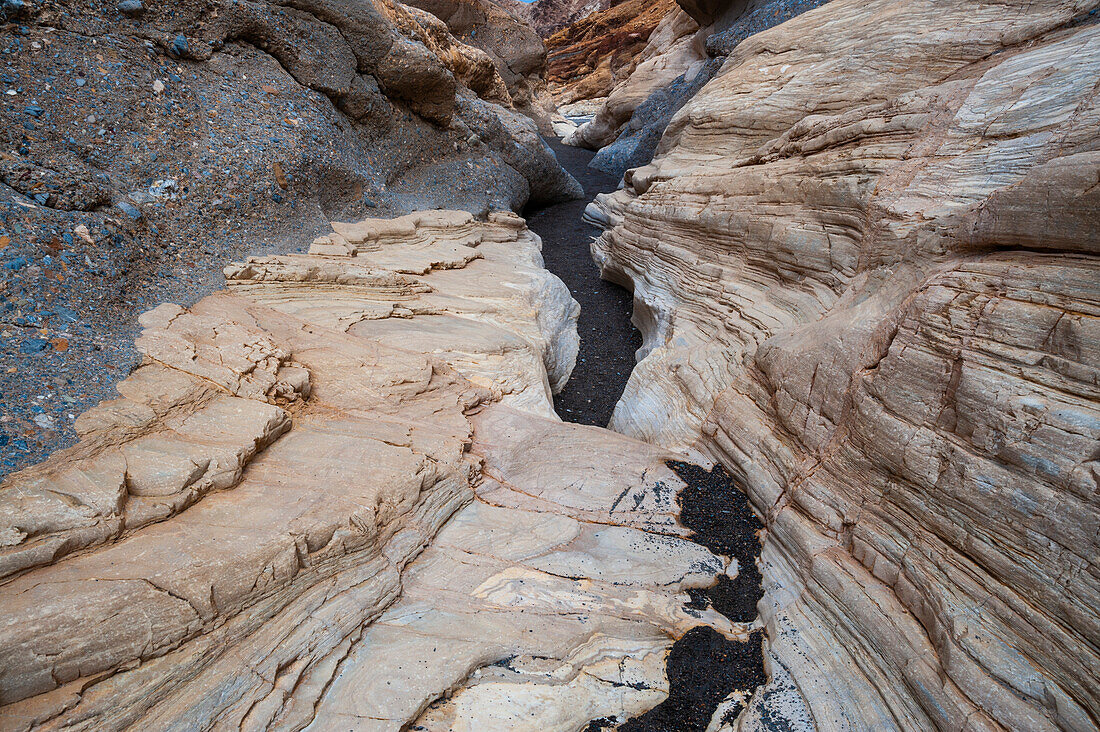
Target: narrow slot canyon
{"points": [[317, 414], [608, 341]]}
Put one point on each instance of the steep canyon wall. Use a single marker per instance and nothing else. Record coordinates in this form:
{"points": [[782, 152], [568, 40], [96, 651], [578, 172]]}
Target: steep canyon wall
{"points": [[865, 266]]}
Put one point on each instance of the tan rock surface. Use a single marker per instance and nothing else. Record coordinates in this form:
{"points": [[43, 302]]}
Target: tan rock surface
{"points": [[232, 542], [536, 617], [864, 264]]}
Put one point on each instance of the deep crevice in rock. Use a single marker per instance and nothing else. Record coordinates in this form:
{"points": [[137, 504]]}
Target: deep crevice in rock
{"points": [[608, 340]]}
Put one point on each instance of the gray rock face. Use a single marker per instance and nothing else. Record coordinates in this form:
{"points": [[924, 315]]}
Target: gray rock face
{"points": [[743, 19], [272, 118], [636, 144], [514, 46]]}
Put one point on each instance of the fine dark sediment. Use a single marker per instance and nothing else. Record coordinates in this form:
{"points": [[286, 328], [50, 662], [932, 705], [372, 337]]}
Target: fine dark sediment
{"points": [[703, 667], [721, 519], [608, 340]]}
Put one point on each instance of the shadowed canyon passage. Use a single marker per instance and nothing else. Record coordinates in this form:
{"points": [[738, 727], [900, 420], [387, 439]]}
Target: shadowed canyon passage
{"points": [[608, 340]]}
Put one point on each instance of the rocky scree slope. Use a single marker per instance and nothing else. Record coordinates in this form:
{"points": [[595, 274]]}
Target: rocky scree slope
{"points": [[864, 263], [145, 144], [337, 496]]}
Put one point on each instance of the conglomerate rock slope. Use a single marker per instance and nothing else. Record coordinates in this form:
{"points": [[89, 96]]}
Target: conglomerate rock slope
{"points": [[146, 143], [238, 541], [865, 267]]}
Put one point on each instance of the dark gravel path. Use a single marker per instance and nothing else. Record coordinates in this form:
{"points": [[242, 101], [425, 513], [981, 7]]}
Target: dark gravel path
{"points": [[608, 340]]}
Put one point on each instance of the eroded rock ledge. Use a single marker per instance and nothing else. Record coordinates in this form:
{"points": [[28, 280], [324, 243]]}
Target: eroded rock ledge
{"points": [[337, 493]]}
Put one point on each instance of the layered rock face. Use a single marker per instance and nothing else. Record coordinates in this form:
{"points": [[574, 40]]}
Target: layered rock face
{"points": [[145, 148], [684, 52], [675, 45], [865, 266], [636, 139], [587, 59], [239, 540]]}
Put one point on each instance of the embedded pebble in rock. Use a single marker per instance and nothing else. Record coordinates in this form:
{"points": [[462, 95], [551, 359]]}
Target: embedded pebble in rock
{"points": [[131, 7]]}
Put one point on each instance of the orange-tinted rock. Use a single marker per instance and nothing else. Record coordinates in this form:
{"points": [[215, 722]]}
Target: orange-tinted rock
{"points": [[587, 59]]}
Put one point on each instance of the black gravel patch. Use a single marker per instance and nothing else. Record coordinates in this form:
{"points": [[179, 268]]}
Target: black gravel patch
{"points": [[608, 340], [718, 513], [703, 668]]}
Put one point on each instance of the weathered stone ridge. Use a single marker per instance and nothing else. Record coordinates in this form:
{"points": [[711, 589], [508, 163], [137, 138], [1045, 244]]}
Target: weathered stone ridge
{"points": [[865, 266], [338, 492]]}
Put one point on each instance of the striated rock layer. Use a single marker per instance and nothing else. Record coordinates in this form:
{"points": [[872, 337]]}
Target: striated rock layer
{"points": [[674, 47], [865, 266], [587, 59], [239, 539], [638, 138]]}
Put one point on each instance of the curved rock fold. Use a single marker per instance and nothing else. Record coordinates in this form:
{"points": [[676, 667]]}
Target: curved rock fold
{"points": [[844, 302]]}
